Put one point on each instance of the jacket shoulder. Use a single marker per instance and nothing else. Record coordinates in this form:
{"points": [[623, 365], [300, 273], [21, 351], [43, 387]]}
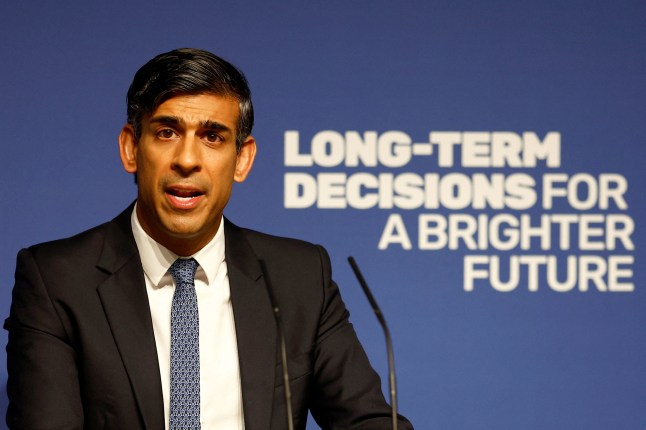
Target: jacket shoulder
{"points": [[272, 247], [85, 247], [79, 242]]}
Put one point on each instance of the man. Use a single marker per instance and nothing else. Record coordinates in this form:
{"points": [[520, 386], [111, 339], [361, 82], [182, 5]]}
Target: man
{"points": [[162, 317]]}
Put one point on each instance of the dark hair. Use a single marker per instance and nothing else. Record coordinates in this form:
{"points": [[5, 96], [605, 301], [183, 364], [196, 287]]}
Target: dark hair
{"points": [[188, 71]]}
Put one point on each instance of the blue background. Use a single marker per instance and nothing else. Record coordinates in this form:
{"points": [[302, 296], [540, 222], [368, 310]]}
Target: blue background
{"points": [[478, 360]]}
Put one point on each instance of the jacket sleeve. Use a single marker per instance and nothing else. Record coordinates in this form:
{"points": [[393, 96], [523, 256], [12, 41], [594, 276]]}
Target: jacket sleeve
{"points": [[347, 390], [43, 384]]}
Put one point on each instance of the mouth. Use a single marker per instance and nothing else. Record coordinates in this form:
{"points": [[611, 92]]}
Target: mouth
{"points": [[183, 197]]}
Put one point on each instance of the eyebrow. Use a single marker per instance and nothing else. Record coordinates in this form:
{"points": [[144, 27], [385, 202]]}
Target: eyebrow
{"points": [[174, 120], [166, 119], [214, 125]]}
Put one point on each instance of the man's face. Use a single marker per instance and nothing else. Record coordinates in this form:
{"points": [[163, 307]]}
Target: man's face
{"points": [[186, 162]]}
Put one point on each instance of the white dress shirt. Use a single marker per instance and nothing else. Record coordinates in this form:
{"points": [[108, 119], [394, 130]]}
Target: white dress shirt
{"points": [[220, 390]]}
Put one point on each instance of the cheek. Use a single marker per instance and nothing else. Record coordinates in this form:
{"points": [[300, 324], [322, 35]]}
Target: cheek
{"points": [[148, 179], [221, 168], [149, 164]]}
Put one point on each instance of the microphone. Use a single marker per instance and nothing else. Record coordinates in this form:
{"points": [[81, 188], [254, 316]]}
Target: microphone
{"points": [[283, 348], [389, 347]]}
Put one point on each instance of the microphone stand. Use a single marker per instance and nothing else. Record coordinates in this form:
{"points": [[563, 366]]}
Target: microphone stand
{"points": [[283, 348], [389, 347]]}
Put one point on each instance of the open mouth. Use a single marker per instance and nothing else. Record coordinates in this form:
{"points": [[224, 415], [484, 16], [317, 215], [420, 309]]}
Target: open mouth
{"points": [[183, 198]]}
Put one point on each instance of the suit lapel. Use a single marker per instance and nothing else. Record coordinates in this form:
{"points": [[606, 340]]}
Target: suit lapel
{"points": [[125, 302], [255, 329]]}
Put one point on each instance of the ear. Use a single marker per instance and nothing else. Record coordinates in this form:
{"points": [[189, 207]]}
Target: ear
{"points": [[128, 148], [245, 158]]}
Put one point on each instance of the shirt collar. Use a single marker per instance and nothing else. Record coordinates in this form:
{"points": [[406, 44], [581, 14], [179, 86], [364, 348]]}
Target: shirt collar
{"points": [[156, 259]]}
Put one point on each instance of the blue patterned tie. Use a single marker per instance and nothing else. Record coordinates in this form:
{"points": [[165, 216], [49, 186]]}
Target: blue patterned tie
{"points": [[184, 348]]}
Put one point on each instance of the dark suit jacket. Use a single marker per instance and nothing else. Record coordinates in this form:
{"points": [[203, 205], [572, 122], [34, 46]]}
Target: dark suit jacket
{"points": [[81, 351]]}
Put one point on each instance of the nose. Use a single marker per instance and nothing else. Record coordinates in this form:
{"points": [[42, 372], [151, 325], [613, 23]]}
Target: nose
{"points": [[187, 156]]}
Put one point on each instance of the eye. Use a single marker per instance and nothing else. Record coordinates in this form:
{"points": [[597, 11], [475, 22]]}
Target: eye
{"points": [[166, 133], [213, 137]]}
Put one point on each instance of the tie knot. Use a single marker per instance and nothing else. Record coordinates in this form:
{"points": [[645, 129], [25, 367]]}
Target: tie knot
{"points": [[183, 270]]}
